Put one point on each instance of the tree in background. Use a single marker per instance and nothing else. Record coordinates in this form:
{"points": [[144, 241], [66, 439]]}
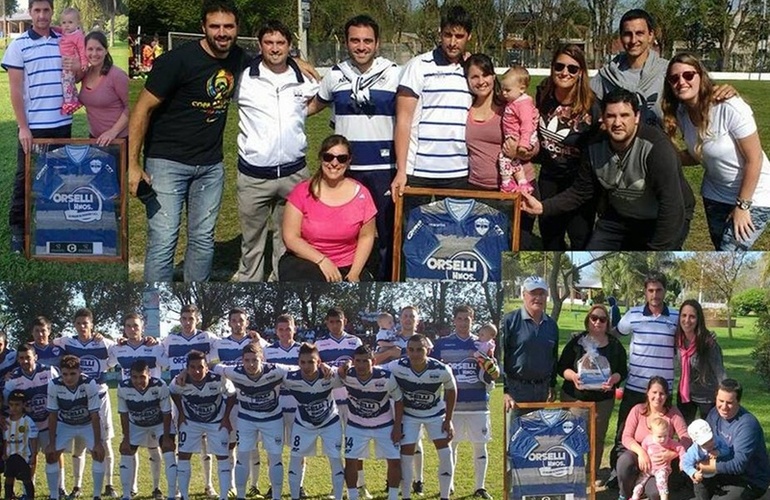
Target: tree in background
{"points": [[22, 302]]}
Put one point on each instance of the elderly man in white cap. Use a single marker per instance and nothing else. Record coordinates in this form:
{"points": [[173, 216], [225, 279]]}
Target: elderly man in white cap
{"points": [[530, 348]]}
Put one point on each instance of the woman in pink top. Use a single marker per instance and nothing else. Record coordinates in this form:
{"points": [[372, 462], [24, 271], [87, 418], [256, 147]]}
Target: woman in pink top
{"points": [[635, 460], [328, 223], [104, 92], [484, 137]]}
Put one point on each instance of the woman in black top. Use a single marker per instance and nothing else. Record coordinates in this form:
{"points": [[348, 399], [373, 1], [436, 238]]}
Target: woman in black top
{"points": [[596, 334], [569, 115]]}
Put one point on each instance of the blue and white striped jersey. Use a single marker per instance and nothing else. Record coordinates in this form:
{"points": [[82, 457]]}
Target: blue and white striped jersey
{"points": [[228, 350], [144, 408], [258, 398], [473, 383], [315, 403], [8, 363], [276, 353], [74, 406], [177, 346], [367, 125], [204, 401], [336, 351], [126, 355], [49, 355], [35, 388], [652, 345], [94, 356], [369, 400], [423, 392], [437, 147]]}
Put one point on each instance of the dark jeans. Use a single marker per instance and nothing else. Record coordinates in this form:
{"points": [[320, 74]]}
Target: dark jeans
{"points": [[630, 399], [378, 184], [689, 410], [622, 233], [726, 487], [16, 214], [577, 224], [294, 268]]}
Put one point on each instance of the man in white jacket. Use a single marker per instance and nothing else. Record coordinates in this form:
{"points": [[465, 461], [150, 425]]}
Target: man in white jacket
{"points": [[272, 98]]}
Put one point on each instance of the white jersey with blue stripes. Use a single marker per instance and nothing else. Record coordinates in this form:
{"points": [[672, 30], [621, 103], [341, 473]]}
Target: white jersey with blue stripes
{"points": [[423, 392], [144, 408], [651, 351], [177, 346], [258, 397], [228, 350], [369, 401], [126, 355], [94, 356], [315, 402], [473, 384], [74, 406], [276, 353], [35, 388], [204, 401]]}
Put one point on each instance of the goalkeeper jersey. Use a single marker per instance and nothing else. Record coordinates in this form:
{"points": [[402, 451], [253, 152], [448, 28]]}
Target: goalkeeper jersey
{"points": [[456, 239]]}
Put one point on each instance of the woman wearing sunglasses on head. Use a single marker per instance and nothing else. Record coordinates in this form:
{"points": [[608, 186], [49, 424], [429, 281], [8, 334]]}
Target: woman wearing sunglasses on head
{"points": [[596, 339], [722, 136], [328, 223], [569, 115]]}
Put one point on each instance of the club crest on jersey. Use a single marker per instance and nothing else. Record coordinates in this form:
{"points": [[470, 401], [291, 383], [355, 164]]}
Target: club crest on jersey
{"points": [[556, 461], [481, 225], [568, 427], [462, 266], [96, 166], [84, 204]]}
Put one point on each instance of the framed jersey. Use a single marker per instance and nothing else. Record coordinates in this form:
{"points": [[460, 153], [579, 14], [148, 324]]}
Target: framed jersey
{"points": [[75, 200], [549, 451], [459, 237]]}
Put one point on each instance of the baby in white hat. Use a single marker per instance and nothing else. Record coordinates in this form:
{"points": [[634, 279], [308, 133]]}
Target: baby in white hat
{"points": [[705, 447]]}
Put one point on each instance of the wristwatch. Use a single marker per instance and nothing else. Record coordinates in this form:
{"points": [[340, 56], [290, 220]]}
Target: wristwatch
{"points": [[743, 204]]}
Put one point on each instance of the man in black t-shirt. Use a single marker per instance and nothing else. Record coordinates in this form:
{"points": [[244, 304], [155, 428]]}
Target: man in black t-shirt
{"points": [[645, 203], [180, 118]]}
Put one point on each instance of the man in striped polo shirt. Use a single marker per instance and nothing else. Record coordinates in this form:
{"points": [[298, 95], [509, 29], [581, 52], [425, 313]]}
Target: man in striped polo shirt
{"points": [[34, 67], [651, 353], [431, 110], [362, 92]]}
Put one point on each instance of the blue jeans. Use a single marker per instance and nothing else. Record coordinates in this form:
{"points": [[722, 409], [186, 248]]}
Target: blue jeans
{"points": [[721, 229], [200, 186]]}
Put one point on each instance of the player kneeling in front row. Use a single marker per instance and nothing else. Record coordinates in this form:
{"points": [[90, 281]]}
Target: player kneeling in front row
{"points": [[145, 417], [316, 416], [204, 403], [429, 393], [20, 453], [73, 406], [370, 390], [258, 387]]}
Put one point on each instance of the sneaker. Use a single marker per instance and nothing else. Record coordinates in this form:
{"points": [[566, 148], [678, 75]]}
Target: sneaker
{"points": [[482, 493], [62, 494], [269, 494], [232, 495], [418, 487], [364, 493], [211, 492], [110, 492], [157, 494], [330, 496], [76, 493], [254, 492], [302, 494], [136, 492]]}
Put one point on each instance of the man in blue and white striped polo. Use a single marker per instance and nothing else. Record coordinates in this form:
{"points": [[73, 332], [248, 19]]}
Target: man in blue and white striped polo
{"points": [[652, 327], [431, 110]]}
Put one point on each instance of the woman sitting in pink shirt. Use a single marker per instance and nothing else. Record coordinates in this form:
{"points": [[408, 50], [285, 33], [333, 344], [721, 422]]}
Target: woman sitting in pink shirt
{"points": [[104, 92], [635, 460], [328, 223]]}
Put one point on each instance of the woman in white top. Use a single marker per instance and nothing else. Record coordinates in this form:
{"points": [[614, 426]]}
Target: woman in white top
{"points": [[722, 136]]}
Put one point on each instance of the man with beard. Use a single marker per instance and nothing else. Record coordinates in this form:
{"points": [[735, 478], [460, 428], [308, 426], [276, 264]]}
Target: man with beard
{"points": [[180, 118], [633, 169]]}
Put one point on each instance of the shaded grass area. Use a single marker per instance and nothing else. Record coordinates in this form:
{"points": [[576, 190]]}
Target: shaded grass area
{"points": [[227, 249], [15, 267]]}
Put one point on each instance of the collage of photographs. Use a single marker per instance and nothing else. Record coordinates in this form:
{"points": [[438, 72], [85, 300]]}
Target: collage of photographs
{"points": [[383, 249]]}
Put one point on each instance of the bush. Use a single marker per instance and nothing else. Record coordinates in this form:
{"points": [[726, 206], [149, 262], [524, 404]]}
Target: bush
{"points": [[121, 27], [761, 353], [753, 300]]}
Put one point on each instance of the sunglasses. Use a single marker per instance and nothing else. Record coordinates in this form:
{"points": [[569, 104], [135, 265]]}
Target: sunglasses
{"points": [[687, 75], [328, 157], [572, 68], [600, 319]]}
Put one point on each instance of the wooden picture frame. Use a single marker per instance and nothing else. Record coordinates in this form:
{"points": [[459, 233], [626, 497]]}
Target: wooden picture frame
{"points": [[591, 423], [398, 230], [64, 209]]}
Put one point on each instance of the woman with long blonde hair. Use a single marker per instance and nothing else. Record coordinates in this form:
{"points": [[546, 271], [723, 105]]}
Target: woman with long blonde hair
{"points": [[722, 136]]}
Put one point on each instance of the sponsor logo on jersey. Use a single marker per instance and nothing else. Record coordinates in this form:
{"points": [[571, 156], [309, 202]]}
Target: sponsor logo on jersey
{"points": [[366, 408], [462, 266], [420, 400], [466, 371], [90, 365], [556, 461], [84, 204]]}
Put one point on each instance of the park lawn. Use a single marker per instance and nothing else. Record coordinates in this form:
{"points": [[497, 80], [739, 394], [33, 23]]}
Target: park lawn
{"points": [[227, 246], [737, 359], [15, 267], [317, 479]]}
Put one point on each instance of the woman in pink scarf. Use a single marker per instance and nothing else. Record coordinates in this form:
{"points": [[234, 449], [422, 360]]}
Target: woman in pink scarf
{"points": [[701, 362]]}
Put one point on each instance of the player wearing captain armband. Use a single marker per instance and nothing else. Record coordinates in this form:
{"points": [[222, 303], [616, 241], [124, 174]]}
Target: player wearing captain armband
{"points": [[145, 419], [204, 401], [74, 411], [429, 393], [259, 413]]}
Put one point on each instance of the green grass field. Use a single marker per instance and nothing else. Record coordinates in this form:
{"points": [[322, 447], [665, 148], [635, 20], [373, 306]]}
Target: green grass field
{"points": [[227, 249], [15, 267]]}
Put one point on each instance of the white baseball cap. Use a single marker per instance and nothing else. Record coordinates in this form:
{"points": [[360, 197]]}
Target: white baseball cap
{"points": [[534, 283], [700, 432]]}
